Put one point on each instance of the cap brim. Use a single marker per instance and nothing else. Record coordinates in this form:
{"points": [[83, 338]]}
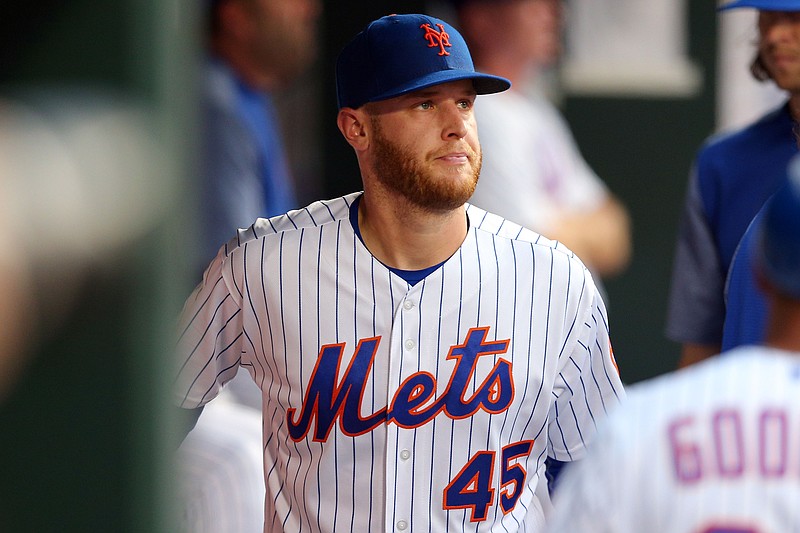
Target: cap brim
{"points": [[483, 83], [766, 5]]}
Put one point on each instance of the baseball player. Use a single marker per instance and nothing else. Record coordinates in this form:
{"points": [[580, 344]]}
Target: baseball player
{"points": [[712, 448], [419, 358], [732, 176]]}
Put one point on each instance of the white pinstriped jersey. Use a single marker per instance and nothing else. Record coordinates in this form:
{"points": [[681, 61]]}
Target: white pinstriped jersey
{"points": [[390, 407], [714, 448]]}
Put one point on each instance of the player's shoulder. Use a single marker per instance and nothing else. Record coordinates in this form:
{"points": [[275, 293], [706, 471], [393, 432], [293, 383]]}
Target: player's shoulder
{"points": [[756, 364], [564, 268], [491, 223], [312, 217], [742, 379], [760, 370], [218, 90]]}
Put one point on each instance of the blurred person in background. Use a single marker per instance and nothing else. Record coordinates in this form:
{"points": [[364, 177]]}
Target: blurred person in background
{"points": [[86, 182], [711, 447], [732, 176], [255, 48], [70, 202], [533, 172]]}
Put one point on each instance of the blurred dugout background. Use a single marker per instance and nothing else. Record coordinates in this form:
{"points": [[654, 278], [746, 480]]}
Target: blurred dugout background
{"points": [[96, 122]]}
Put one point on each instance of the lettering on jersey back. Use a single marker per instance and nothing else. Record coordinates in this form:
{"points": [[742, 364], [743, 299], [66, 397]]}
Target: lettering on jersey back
{"points": [[327, 401], [729, 444]]}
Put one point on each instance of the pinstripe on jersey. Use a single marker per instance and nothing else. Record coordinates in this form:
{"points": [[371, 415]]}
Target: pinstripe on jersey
{"points": [[385, 404]]}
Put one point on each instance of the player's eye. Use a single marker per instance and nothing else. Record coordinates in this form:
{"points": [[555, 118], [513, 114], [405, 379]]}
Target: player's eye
{"points": [[426, 105]]}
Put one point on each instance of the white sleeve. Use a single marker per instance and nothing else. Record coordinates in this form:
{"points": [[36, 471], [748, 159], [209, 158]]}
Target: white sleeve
{"points": [[588, 385], [221, 473], [211, 336], [588, 495]]}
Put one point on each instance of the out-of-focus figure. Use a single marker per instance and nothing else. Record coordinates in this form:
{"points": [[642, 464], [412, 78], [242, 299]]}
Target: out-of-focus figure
{"points": [[710, 447], [255, 47], [732, 175], [533, 172]]}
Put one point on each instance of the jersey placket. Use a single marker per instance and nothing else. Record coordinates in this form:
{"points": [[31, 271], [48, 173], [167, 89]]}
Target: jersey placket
{"points": [[405, 357]]}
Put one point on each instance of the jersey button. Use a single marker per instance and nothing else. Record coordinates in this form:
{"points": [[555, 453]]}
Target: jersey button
{"points": [[405, 454], [410, 344], [408, 305], [402, 525]]}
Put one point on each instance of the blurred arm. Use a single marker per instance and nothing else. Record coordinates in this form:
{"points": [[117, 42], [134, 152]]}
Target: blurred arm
{"points": [[693, 353], [601, 238]]}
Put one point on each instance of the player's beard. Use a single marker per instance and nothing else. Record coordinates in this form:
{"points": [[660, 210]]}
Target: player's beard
{"points": [[400, 171]]}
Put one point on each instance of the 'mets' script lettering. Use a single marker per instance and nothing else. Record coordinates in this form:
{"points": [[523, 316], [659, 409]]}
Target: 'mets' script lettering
{"points": [[327, 402]]}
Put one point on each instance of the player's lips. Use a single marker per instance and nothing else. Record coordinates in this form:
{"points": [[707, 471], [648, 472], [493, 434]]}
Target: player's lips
{"points": [[781, 58], [455, 158]]}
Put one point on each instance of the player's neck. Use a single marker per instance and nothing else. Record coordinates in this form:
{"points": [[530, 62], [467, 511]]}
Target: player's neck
{"points": [[409, 238], [794, 106], [783, 328]]}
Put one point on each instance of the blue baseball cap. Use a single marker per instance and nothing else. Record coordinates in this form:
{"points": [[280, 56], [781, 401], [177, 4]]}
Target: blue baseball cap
{"points": [[765, 5], [779, 244], [398, 54]]}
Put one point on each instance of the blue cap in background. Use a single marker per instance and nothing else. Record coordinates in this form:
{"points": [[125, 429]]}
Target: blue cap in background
{"points": [[765, 5]]}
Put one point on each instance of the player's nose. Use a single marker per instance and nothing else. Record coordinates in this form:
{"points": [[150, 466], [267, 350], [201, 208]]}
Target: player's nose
{"points": [[455, 121], [776, 26]]}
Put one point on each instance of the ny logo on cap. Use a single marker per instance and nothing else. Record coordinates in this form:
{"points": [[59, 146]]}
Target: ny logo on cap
{"points": [[437, 38]]}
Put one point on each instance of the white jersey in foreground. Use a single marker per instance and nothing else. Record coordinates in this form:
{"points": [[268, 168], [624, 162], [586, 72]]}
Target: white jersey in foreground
{"points": [[390, 407], [713, 448]]}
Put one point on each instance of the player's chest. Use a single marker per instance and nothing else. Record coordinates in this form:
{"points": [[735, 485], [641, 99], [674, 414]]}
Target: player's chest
{"points": [[406, 364]]}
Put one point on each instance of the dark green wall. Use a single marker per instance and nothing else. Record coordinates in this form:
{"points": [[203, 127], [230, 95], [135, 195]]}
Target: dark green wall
{"points": [[643, 148], [85, 429]]}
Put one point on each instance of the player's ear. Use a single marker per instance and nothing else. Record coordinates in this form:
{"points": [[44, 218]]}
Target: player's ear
{"points": [[351, 124]]}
